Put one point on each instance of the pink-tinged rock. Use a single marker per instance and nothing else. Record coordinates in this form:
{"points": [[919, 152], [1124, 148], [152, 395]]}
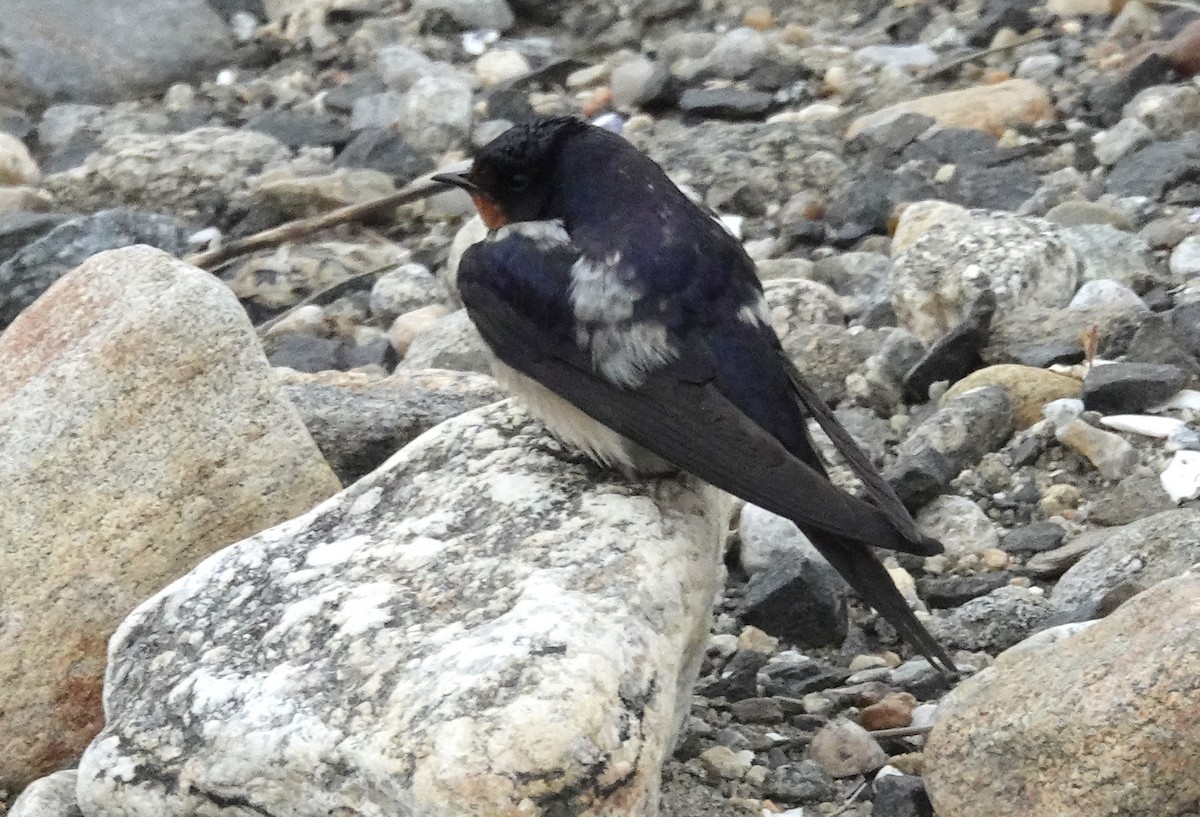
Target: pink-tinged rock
{"points": [[141, 430], [989, 108], [1106, 721]]}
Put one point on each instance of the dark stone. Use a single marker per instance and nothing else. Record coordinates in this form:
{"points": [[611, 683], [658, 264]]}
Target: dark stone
{"points": [[1106, 101], [738, 679], [878, 315], [951, 591], [1129, 388], [661, 90], [654, 11], [385, 150], [951, 439], [65, 50], [890, 139], [797, 783], [1156, 169], [300, 128], [956, 354], [725, 103], [757, 710], [1158, 341], [20, 229], [1035, 538], [1026, 452], [775, 76], [511, 103], [1041, 355], [900, 795], [262, 216], [1158, 298], [15, 123], [907, 24], [71, 153], [304, 353], [31, 270], [730, 737], [804, 232], [545, 12], [1014, 14], [1185, 318], [865, 201], [791, 680], [956, 146], [228, 8], [1004, 187], [924, 681], [800, 600], [848, 236], [378, 351]]}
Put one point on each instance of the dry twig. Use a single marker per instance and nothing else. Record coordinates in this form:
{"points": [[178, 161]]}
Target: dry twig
{"points": [[418, 189]]}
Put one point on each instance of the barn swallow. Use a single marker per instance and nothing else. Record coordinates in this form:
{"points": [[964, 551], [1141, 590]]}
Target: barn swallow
{"points": [[634, 325]]}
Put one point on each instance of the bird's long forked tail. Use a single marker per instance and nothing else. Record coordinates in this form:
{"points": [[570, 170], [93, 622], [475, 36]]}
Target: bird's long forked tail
{"points": [[870, 579]]}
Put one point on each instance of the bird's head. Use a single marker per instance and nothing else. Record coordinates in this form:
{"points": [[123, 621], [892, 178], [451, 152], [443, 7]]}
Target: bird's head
{"points": [[510, 179]]}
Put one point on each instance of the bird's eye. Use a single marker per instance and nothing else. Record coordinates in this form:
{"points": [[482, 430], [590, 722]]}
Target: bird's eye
{"points": [[519, 181]]}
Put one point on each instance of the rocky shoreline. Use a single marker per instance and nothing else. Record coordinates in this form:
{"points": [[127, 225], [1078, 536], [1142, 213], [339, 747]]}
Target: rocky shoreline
{"points": [[343, 578]]}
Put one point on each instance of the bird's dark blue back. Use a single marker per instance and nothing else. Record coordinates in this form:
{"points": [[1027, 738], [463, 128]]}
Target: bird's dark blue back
{"points": [[699, 281]]}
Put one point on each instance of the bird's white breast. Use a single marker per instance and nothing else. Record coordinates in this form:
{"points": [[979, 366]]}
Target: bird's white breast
{"points": [[575, 428]]}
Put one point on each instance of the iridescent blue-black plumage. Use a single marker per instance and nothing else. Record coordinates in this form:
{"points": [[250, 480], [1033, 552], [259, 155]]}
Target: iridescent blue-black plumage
{"points": [[620, 296]]}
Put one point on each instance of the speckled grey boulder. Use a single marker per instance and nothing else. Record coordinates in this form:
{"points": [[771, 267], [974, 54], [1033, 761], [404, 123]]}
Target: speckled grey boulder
{"points": [[1125, 560], [479, 627], [189, 175], [1022, 260]]}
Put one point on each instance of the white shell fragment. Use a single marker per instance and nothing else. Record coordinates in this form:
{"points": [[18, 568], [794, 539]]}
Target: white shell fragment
{"points": [[1144, 424], [1181, 479]]}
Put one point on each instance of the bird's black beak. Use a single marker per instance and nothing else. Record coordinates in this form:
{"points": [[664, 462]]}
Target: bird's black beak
{"points": [[459, 179]]}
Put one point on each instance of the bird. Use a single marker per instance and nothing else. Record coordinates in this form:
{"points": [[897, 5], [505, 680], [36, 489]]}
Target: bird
{"points": [[633, 323]]}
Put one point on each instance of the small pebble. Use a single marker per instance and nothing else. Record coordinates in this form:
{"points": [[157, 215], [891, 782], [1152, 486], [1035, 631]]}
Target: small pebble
{"points": [[759, 18], [893, 712], [752, 638], [844, 749], [724, 763], [1058, 499]]}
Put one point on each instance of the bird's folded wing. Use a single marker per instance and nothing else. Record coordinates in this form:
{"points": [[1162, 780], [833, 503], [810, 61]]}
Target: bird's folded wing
{"points": [[679, 415], [879, 491]]}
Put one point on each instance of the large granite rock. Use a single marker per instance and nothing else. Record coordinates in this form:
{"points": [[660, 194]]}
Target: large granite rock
{"points": [[479, 627], [1103, 722], [142, 430]]}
